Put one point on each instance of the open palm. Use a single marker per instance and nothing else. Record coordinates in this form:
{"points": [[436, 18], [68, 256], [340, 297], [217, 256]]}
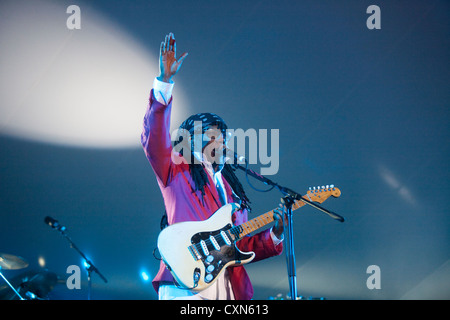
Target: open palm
{"points": [[168, 62]]}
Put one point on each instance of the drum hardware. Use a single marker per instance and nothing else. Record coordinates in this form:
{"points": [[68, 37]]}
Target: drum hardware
{"points": [[12, 262]]}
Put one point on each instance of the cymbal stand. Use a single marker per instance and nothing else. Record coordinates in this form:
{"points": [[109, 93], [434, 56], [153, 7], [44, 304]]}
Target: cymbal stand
{"points": [[9, 284]]}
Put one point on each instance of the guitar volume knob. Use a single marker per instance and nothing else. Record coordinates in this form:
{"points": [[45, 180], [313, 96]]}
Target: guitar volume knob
{"points": [[208, 277]]}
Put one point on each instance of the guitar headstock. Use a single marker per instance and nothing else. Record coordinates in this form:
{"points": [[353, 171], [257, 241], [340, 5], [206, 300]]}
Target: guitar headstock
{"points": [[321, 193]]}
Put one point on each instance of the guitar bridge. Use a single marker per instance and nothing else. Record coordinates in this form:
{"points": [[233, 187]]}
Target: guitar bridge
{"points": [[194, 253]]}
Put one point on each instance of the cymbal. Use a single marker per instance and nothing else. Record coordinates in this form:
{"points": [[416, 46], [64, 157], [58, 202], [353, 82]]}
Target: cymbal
{"points": [[12, 262]]}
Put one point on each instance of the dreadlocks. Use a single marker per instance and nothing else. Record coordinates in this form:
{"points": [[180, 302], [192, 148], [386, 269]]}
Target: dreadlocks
{"points": [[190, 127]]}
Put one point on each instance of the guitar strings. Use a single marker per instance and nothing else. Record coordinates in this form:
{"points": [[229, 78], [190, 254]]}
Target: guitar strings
{"points": [[253, 225]]}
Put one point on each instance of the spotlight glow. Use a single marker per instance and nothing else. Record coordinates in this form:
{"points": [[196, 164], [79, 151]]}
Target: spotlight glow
{"points": [[396, 185], [86, 87], [41, 261], [145, 276]]}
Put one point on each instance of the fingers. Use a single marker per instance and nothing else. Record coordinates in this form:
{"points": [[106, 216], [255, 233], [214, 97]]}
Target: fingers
{"points": [[172, 45], [278, 227], [183, 56], [277, 215], [161, 49], [168, 44]]}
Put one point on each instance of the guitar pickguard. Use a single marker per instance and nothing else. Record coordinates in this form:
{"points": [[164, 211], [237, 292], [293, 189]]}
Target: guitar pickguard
{"points": [[214, 258]]}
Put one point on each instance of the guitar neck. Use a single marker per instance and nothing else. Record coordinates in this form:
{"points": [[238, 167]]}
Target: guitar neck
{"points": [[259, 222]]}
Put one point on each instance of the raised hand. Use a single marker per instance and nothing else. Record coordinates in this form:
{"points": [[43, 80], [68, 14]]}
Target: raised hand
{"points": [[168, 63]]}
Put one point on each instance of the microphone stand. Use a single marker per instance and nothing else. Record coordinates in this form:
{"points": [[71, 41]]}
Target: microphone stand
{"points": [[288, 200], [88, 264], [290, 252]]}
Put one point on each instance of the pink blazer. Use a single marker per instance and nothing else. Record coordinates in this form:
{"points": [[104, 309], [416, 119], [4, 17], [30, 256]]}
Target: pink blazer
{"points": [[183, 204]]}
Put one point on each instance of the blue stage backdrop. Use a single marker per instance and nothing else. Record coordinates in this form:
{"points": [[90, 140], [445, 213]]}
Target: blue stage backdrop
{"points": [[358, 95]]}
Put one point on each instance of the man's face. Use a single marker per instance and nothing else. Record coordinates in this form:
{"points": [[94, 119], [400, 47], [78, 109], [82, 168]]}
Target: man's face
{"points": [[213, 146]]}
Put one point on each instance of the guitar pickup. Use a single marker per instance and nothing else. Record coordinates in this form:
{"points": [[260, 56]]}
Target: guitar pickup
{"points": [[214, 243], [204, 247], [225, 238]]}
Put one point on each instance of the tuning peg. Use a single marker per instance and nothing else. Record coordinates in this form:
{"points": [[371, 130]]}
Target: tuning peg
{"points": [[328, 187], [332, 186]]}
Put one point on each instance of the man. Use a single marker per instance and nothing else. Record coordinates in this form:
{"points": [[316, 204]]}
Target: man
{"points": [[197, 183]]}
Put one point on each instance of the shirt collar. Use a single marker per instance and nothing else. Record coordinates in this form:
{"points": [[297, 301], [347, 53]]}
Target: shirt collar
{"points": [[208, 166]]}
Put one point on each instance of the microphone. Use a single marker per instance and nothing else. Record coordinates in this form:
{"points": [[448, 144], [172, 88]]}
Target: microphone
{"points": [[234, 157], [54, 223]]}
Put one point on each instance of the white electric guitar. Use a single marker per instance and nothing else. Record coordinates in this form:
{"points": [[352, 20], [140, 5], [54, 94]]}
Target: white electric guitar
{"points": [[197, 252]]}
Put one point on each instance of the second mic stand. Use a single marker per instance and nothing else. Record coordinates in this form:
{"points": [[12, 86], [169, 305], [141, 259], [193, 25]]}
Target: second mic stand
{"points": [[88, 264], [289, 198]]}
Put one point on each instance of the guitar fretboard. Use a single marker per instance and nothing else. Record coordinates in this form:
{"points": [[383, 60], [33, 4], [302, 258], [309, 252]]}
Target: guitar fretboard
{"points": [[257, 223]]}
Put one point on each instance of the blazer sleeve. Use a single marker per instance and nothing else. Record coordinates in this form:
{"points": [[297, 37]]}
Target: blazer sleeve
{"points": [[155, 138], [261, 243]]}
